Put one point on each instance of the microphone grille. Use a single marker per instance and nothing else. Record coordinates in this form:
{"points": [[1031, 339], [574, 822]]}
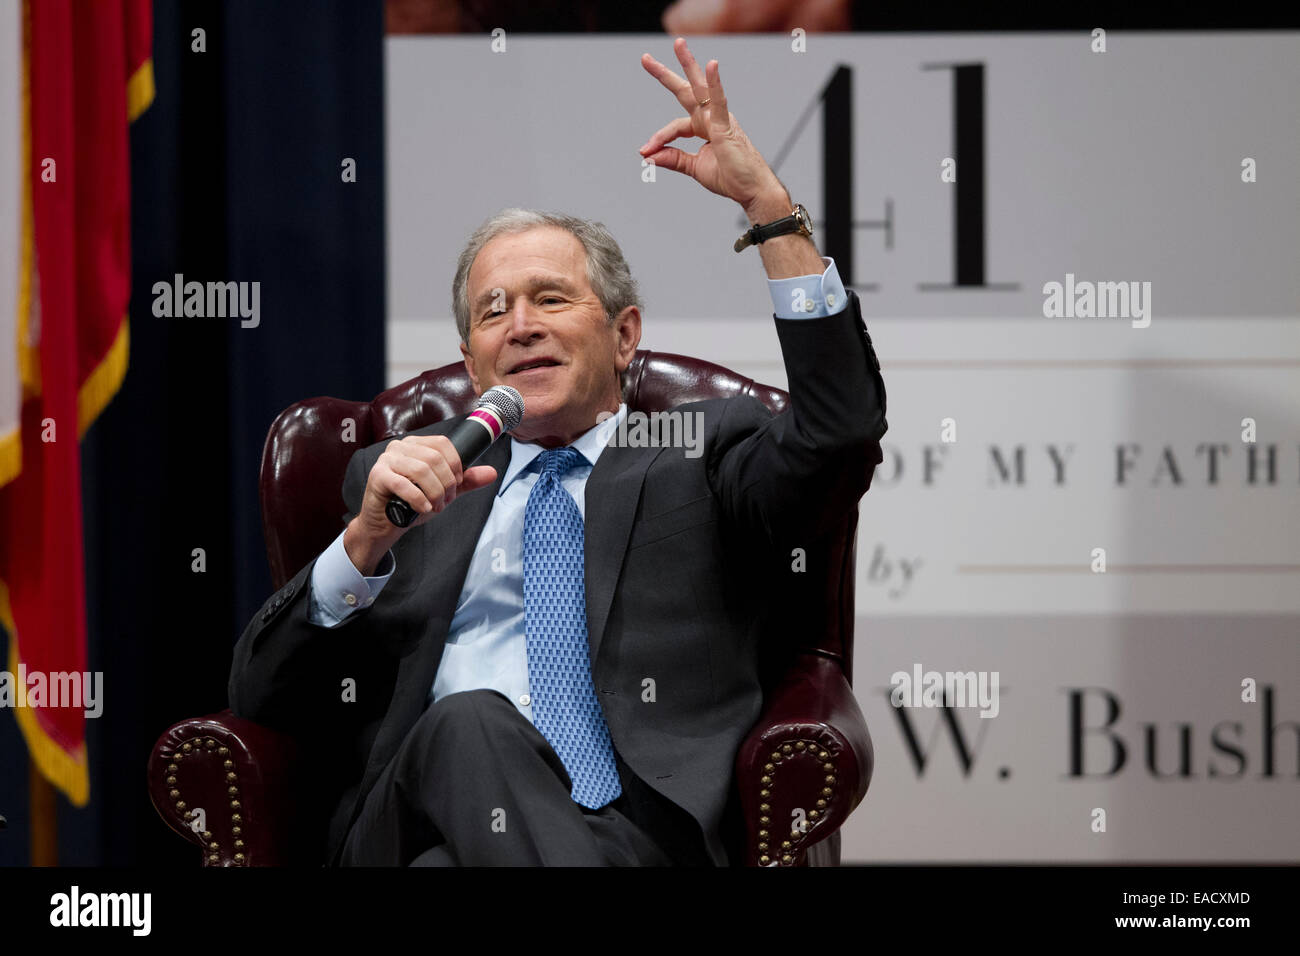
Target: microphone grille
{"points": [[507, 403]]}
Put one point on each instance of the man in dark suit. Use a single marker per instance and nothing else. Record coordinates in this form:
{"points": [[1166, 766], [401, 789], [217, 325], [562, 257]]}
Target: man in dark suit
{"points": [[556, 662]]}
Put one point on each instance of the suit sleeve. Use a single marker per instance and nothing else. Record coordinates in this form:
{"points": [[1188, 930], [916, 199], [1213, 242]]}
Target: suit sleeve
{"points": [[284, 669], [793, 474]]}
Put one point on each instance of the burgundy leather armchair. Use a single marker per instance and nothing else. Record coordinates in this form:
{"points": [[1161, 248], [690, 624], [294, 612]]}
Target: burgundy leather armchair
{"points": [[224, 783]]}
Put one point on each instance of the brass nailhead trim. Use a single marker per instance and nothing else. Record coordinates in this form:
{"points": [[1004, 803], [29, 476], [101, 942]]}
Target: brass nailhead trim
{"points": [[212, 848], [765, 792]]}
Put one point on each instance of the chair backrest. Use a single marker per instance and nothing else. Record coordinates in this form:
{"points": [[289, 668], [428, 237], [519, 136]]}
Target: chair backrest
{"points": [[309, 445]]}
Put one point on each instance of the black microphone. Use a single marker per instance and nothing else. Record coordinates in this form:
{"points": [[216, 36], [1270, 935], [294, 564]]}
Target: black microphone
{"points": [[499, 410]]}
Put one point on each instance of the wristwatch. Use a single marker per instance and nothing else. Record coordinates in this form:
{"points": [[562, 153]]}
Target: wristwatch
{"points": [[798, 221]]}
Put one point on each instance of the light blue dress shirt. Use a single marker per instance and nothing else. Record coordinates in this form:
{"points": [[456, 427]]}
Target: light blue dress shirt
{"points": [[485, 643]]}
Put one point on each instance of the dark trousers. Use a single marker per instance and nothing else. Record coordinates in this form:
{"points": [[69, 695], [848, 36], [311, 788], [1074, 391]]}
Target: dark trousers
{"points": [[476, 784]]}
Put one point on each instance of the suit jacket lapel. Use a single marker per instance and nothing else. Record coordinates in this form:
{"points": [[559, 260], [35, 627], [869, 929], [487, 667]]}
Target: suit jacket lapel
{"points": [[613, 492]]}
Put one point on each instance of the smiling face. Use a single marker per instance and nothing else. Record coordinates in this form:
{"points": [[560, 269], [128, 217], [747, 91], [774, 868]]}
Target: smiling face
{"points": [[546, 334]]}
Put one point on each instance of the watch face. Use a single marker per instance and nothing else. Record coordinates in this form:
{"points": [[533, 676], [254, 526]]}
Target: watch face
{"points": [[805, 220]]}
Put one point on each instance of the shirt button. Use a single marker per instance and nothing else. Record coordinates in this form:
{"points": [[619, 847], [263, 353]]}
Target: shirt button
{"points": [[830, 299], [350, 598], [809, 305], [525, 700]]}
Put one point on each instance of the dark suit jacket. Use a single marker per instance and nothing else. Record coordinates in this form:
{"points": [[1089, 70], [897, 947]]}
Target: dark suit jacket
{"points": [[687, 562]]}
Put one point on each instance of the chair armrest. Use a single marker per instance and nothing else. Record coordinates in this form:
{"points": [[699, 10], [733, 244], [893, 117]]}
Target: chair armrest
{"points": [[224, 784], [810, 751]]}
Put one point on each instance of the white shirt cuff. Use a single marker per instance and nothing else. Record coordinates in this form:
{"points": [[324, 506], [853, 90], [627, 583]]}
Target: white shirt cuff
{"points": [[338, 588], [810, 296]]}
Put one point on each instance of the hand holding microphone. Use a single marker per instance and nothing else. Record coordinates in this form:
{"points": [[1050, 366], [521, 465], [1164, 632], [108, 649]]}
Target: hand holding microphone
{"points": [[419, 475], [499, 410]]}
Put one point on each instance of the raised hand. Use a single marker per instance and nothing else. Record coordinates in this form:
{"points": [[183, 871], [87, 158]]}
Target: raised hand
{"points": [[728, 163]]}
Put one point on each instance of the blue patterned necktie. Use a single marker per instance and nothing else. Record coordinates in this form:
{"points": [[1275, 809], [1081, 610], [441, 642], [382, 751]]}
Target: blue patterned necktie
{"points": [[565, 708]]}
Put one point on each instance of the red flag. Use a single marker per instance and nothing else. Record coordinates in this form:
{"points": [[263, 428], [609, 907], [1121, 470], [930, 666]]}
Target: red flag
{"points": [[88, 73]]}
